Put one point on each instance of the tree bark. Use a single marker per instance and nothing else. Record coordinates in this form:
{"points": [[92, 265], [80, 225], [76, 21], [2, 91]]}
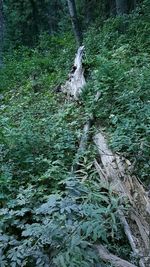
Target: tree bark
{"points": [[1, 33], [114, 171], [106, 256], [75, 22], [76, 81], [121, 7], [112, 8], [88, 15], [131, 5]]}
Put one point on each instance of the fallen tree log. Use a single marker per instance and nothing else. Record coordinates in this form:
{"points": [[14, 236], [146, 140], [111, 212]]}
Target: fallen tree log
{"points": [[113, 170]]}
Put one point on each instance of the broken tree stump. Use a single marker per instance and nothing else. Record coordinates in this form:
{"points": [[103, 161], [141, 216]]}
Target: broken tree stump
{"points": [[76, 81]]}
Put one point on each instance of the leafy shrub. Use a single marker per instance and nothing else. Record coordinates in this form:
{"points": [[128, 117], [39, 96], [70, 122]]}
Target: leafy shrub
{"points": [[120, 63], [61, 231], [48, 216]]}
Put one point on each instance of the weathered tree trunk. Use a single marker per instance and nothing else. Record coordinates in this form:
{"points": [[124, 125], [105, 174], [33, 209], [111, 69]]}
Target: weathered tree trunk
{"points": [[75, 22], [114, 172], [76, 81], [1, 33], [121, 7]]}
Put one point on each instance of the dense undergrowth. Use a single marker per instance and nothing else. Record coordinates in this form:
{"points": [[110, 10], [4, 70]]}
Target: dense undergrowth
{"points": [[49, 217]]}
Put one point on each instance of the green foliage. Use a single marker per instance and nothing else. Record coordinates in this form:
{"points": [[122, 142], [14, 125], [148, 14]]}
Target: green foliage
{"points": [[39, 67], [26, 20], [39, 132], [61, 231], [50, 216], [120, 60], [39, 142]]}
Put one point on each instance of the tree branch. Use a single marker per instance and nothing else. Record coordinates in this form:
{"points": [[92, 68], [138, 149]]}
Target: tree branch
{"points": [[105, 255]]}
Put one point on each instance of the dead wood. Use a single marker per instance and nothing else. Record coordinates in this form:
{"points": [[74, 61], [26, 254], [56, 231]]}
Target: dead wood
{"points": [[82, 145], [84, 137], [105, 255], [113, 170], [76, 81], [128, 232]]}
